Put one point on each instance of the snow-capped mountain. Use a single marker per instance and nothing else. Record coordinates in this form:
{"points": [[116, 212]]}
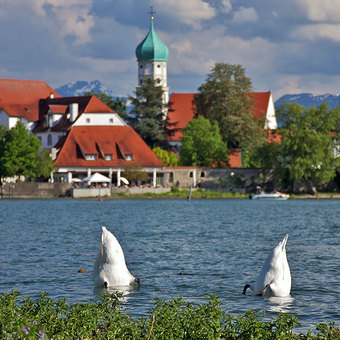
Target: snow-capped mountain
{"points": [[308, 99], [78, 88]]}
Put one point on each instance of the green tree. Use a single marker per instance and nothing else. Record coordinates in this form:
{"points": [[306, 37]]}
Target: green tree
{"points": [[168, 158], [3, 132], [21, 154], [44, 164], [307, 148], [147, 115], [225, 97], [134, 173], [117, 104], [202, 144]]}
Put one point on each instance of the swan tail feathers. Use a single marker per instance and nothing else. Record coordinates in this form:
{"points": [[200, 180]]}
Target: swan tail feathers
{"points": [[284, 242]]}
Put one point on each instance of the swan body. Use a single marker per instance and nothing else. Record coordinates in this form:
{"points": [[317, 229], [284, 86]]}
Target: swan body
{"points": [[275, 278], [110, 268]]}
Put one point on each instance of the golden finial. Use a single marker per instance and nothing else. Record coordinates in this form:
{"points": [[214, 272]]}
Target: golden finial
{"points": [[152, 12]]}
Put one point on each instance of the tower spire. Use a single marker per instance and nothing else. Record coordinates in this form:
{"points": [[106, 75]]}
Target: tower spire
{"points": [[152, 12]]}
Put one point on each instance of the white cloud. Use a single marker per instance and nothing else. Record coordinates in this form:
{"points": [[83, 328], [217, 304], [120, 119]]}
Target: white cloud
{"points": [[198, 51], [226, 6], [69, 17], [245, 15], [319, 31], [320, 10], [190, 12]]}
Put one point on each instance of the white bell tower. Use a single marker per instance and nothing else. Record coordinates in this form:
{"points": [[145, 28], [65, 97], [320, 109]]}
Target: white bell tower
{"points": [[152, 57]]}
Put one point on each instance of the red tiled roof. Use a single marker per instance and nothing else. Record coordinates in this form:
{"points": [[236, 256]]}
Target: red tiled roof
{"points": [[181, 109], [235, 158], [261, 101], [20, 98], [95, 105], [58, 108], [88, 138]]}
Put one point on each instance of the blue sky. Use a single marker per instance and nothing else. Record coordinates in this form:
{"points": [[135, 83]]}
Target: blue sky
{"points": [[289, 46]]}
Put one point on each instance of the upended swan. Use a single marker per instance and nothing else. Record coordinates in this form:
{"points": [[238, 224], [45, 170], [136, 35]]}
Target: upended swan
{"points": [[275, 278], [110, 269]]}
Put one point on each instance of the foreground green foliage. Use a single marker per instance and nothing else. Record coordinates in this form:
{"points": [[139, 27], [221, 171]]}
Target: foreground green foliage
{"points": [[43, 318]]}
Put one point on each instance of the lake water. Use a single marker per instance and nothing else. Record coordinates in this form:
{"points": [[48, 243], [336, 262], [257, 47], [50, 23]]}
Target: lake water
{"points": [[221, 243]]}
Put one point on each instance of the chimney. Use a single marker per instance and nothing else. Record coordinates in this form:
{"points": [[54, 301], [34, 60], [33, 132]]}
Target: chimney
{"points": [[74, 111]]}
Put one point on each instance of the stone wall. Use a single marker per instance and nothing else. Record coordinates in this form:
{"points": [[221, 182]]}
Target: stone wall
{"points": [[231, 180], [35, 190]]}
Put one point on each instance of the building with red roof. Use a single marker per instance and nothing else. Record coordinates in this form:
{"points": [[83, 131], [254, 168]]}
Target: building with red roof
{"points": [[19, 101], [58, 115], [182, 110], [105, 149]]}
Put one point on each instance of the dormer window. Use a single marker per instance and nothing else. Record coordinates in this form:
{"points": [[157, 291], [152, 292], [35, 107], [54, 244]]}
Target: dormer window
{"points": [[108, 157], [128, 157], [91, 157]]}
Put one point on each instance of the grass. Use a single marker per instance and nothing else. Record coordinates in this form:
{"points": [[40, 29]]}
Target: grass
{"points": [[45, 318], [184, 193]]}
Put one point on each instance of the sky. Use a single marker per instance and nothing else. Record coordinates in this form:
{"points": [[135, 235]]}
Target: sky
{"points": [[286, 46]]}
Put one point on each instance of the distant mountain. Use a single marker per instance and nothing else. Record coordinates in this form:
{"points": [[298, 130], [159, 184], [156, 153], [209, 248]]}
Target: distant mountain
{"points": [[308, 100], [78, 88]]}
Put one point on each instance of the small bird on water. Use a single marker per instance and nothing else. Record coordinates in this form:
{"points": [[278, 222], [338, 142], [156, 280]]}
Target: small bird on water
{"points": [[275, 278], [110, 269]]}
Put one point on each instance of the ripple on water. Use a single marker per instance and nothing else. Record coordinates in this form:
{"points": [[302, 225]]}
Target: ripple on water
{"points": [[221, 243]]}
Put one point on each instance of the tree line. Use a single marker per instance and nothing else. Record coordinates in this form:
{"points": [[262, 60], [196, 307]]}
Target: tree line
{"points": [[308, 149]]}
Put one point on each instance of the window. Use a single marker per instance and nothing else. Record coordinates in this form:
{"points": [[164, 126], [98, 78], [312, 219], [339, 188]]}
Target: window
{"points": [[202, 174], [128, 157], [91, 157], [88, 120], [171, 177], [141, 66], [191, 174], [158, 66], [49, 139], [111, 120], [108, 157]]}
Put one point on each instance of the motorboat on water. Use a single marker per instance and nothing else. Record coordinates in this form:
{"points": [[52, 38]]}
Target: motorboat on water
{"points": [[272, 196]]}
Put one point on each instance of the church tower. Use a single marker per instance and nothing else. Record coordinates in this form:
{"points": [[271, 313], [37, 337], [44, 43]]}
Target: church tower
{"points": [[152, 57]]}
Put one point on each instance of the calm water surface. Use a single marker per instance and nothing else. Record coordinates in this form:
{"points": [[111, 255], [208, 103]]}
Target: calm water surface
{"points": [[221, 243]]}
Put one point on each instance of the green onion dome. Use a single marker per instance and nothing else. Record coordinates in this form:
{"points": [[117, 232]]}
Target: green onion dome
{"points": [[152, 48]]}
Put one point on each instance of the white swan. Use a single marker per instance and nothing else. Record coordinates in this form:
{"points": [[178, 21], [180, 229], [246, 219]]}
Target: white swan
{"points": [[110, 268], [275, 278]]}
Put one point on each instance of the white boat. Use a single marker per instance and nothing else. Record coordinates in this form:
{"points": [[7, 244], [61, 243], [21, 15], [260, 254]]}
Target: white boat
{"points": [[270, 196]]}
